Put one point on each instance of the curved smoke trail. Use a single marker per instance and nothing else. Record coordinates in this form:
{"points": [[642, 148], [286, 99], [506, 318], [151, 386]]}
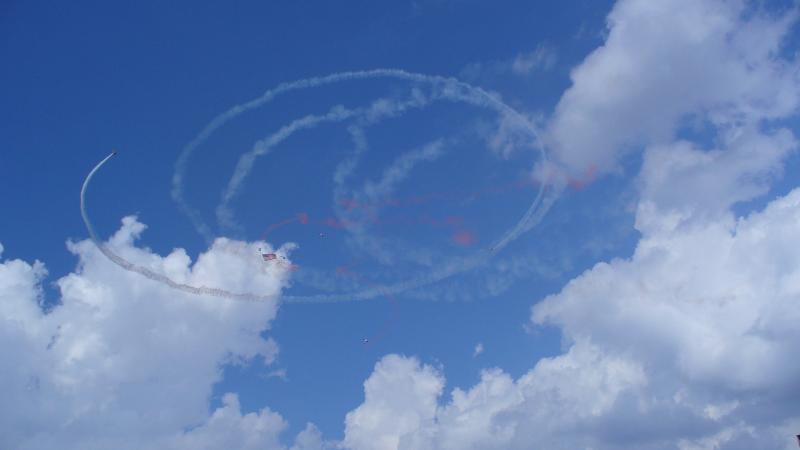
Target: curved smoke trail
{"points": [[144, 271], [244, 166], [460, 265], [450, 88]]}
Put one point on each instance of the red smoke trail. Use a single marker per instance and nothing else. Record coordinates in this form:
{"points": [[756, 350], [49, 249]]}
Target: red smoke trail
{"points": [[350, 204], [463, 238], [578, 184]]}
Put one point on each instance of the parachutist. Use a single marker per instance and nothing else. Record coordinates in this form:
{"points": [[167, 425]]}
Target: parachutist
{"points": [[268, 256]]}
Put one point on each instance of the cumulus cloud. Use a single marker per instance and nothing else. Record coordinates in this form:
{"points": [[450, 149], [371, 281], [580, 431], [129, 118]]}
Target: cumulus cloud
{"points": [[229, 428], [123, 362], [709, 310], [682, 184], [664, 63], [688, 343], [400, 398], [546, 407]]}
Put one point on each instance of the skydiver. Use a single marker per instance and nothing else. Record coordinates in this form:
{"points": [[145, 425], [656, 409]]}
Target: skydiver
{"points": [[365, 341], [267, 256]]}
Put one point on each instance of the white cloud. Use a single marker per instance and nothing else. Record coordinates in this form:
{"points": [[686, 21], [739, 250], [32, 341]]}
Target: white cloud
{"points": [[400, 398], [124, 362], [687, 344], [717, 296], [664, 62], [710, 310], [311, 439], [542, 408], [478, 350], [228, 428], [543, 57], [278, 373], [682, 184]]}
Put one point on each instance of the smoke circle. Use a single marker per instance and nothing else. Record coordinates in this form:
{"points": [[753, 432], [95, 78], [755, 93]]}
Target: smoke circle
{"points": [[442, 88]]}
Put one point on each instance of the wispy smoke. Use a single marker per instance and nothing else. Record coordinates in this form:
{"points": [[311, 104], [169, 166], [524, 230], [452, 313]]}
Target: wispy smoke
{"points": [[443, 88]]}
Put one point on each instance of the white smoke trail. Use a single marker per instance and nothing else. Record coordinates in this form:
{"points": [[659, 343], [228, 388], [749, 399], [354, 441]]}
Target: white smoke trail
{"points": [[246, 161], [447, 88], [378, 110], [450, 87], [199, 290], [444, 88], [454, 267], [144, 271], [370, 193], [400, 168], [382, 109], [204, 290]]}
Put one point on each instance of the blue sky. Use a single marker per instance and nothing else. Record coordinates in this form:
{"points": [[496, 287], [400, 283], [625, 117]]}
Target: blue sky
{"points": [[660, 119]]}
